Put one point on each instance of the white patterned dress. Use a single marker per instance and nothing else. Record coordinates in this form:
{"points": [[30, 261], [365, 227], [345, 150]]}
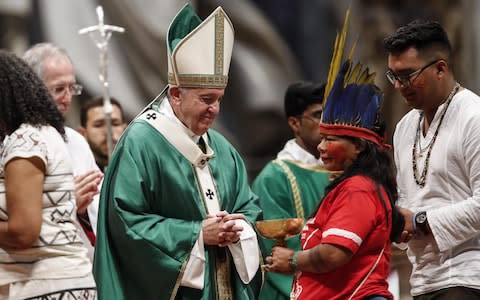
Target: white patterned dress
{"points": [[56, 266]]}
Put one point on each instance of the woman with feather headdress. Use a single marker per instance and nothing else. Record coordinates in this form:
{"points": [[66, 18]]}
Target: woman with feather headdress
{"points": [[346, 244]]}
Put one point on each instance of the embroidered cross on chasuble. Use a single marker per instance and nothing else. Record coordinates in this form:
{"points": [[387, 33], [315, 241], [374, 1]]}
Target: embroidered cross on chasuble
{"points": [[209, 194], [222, 257]]}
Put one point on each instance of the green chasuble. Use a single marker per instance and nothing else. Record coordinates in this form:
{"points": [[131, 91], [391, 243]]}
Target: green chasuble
{"points": [[150, 217], [287, 189]]}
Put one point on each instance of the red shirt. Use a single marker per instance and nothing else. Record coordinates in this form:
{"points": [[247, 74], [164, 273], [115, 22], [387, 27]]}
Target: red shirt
{"points": [[352, 216]]}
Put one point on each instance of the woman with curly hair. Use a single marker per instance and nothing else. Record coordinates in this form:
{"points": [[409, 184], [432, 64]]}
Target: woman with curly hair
{"points": [[41, 254]]}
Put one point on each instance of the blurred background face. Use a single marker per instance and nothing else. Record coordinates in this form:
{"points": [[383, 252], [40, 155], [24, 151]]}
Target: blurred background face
{"points": [[59, 77], [337, 153], [95, 131], [307, 130], [196, 108]]}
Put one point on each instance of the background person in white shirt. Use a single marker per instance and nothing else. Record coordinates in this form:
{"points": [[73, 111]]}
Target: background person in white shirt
{"points": [[437, 150], [303, 109], [54, 67]]}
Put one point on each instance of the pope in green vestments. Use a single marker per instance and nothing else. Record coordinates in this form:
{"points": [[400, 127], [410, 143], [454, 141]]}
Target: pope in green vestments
{"points": [[151, 212], [287, 189], [176, 221]]}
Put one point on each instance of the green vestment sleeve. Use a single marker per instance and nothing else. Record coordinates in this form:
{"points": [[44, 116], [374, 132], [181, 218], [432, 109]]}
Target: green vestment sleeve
{"points": [[151, 212], [276, 187]]}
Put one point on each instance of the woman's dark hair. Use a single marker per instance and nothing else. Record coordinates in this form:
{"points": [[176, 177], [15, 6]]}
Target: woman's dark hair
{"points": [[24, 98], [376, 164]]}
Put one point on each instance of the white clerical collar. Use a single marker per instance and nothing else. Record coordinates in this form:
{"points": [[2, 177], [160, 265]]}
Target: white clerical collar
{"points": [[293, 151]]}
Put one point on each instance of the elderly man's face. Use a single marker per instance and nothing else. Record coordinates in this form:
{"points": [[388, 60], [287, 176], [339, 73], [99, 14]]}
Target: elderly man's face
{"points": [[196, 108], [59, 77]]}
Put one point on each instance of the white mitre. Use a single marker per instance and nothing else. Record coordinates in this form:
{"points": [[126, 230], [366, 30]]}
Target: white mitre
{"points": [[199, 52]]}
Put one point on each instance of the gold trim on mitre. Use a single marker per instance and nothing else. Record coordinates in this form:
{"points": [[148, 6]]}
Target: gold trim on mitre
{"points": [[202, 58], [211, 81]]}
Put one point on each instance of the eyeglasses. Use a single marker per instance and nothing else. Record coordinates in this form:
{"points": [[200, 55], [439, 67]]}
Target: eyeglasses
{"points": [[408, 79], [74, 89], [315, 116]]}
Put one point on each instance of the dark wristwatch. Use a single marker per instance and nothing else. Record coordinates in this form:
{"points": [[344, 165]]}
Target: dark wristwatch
{"points": [[421, 222]]}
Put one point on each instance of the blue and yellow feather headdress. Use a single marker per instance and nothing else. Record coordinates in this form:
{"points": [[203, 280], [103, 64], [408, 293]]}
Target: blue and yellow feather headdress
{"points": [[351, 102]]}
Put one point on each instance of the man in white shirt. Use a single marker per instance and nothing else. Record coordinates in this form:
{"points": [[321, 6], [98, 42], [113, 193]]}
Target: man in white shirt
{"points": [[437, 147], [55, 68]]}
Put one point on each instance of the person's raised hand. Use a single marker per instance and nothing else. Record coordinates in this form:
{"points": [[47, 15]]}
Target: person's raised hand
{"points": [[86, 186]]}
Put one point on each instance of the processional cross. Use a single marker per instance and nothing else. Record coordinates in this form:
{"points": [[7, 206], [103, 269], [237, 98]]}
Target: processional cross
{"points": [[101, 41]]}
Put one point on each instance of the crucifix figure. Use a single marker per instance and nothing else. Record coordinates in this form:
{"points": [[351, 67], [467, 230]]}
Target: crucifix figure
{"points": [[105, 32]]}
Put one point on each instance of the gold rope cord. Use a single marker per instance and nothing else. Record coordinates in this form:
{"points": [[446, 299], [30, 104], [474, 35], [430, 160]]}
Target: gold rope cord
{"points": [[297, 197]]}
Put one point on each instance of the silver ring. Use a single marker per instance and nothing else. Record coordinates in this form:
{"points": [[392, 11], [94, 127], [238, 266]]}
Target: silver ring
{"points": [[269, 260]]}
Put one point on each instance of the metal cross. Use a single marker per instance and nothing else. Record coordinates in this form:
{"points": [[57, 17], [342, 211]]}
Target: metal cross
{"points": [[102, 44]]}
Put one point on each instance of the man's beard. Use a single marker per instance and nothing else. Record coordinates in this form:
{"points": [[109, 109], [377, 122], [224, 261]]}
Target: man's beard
{"points": [[100, 156]]}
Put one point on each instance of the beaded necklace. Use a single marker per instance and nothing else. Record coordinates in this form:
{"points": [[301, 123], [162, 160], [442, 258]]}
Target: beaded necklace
{"points": [[420, 180]]}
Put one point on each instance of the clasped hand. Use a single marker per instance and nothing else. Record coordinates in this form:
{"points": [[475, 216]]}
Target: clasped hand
{"points": [[222, 229]]}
